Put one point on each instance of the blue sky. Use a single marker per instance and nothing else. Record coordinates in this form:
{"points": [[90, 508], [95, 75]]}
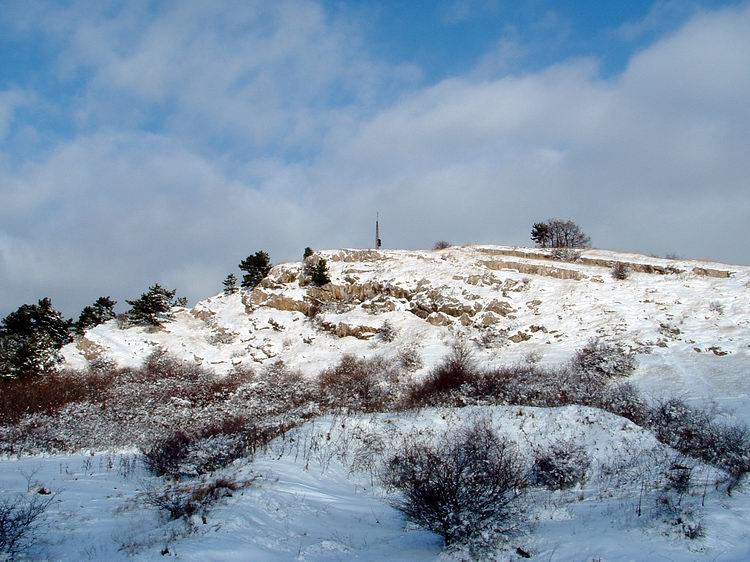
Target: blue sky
{"points": [[146, 142]]}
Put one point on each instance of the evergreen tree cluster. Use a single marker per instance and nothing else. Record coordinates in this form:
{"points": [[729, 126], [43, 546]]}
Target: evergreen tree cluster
{"points": [[315, 267], [31, 338], [102, 310], [153, 307], [256, 267]]}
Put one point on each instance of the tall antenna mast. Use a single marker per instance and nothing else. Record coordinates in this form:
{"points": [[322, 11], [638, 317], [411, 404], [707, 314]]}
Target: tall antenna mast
{"points": [[378, 241]]}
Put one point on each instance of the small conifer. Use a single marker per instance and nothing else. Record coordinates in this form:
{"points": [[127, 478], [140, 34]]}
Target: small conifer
{"points": [[230, 284], [320, 275], [256, 267]]}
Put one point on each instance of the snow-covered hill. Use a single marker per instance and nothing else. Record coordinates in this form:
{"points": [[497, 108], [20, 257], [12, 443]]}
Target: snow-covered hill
{"points": [[688, 321], [313, 490]]}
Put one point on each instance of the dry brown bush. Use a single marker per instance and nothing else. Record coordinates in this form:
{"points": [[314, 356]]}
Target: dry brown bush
{"points": [[50, 392]]}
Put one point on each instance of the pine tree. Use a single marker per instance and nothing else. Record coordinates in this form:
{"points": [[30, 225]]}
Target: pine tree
{"points": [[31, 337], [230, 284], [540, 234], [308, 252], [320, 274], [102, 310], [153, 307], [256, 267]]}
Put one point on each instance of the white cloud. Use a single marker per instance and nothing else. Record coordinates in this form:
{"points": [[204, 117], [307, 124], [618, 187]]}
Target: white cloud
{"points": [[10, 102], [274, 74], [480, 160], [652, 160]]}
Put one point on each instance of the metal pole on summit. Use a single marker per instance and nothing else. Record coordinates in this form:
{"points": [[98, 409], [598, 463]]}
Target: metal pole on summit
{"points": [[378, 241]]}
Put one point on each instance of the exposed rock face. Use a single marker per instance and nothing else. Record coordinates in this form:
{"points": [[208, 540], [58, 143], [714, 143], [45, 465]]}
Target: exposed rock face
{"points": [[342, 330], [519, 337], [426, 302], [90, 350], [535, 269], [357, 292], [203, 314], [358, 255], [634, 266], [279, 302], [500, 308], [438, 319], [717, 273]]}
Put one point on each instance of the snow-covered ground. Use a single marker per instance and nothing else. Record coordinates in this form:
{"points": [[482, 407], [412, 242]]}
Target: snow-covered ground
{"points": [[309, 499], [688, 322]]}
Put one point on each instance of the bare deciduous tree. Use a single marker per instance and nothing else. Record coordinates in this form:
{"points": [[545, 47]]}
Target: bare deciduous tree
{"points": [[558, 233]]}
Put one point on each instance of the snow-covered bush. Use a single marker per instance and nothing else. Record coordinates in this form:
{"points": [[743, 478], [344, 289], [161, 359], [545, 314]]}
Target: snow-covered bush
{"points": [[565, 254], [280, 389], [602, 358], [693, 432], [388, 331], [681, 426], [716, 307], [213, 447], [21, 522], [561, 465], [449, 380], [409, 358], [467, 487], [619, 270], [358, 384], [183, 501], [625, 400]]}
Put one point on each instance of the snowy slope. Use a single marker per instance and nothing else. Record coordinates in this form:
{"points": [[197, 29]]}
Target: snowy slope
{"points": [[689, 321], [309, 500], [314, 493]]}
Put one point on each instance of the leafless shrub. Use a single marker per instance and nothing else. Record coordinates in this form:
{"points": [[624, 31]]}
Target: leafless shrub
{"points": [[183, 501], [669, 330], [458, 369], [670, 504], [625, 400], [441, 245], [565, 254], [693, 432], [466, 487], [409, 359], [281, 388], [358, 384], [619, 270], [533, 357], [680, 426], [561, 465], [492, 337], [600, 358], [213, 447], [388, 331], [716, 307], [50, 393], [22, 520]]}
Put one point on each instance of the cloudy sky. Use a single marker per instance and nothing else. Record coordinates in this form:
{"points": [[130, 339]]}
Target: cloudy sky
{"points": [[164, 141]]}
